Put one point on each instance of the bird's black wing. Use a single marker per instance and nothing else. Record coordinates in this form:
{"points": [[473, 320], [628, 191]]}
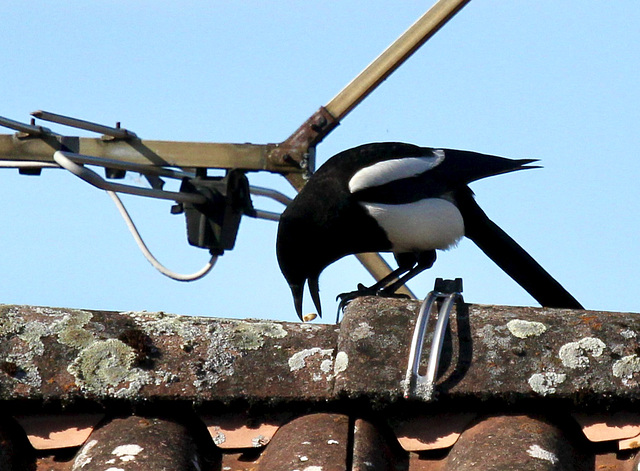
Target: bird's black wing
{"points": [[417, 173], [509, 256]]}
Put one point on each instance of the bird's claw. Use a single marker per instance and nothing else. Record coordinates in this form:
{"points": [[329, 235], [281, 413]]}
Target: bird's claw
{"points": [[346, 298], [391, 294]]}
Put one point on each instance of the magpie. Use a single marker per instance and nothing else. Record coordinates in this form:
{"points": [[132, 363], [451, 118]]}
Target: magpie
{"points": [[405, 199]]}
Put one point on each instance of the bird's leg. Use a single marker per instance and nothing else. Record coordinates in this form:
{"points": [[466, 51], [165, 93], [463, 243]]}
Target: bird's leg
{"points": [[346, 298], [425, 260], [374, 288], [406, 262], [409, 265]]}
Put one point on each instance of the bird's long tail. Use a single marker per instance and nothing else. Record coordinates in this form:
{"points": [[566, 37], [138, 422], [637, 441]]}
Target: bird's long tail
{"points": [[512, 258]]}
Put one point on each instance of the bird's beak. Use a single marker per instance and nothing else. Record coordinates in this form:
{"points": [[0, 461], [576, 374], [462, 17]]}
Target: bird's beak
{"points": [[315, 294], [298, 291]]}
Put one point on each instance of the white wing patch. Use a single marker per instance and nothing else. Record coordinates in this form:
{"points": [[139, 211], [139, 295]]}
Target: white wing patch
{"points": [[428, 224], [394, 169]]}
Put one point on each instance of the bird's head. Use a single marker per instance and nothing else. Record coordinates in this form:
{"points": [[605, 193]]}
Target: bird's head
{"points": [[298, 261]]}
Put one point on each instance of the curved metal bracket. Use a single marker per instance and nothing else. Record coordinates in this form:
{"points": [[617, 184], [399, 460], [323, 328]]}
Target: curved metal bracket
{"points": [[449, 292]]}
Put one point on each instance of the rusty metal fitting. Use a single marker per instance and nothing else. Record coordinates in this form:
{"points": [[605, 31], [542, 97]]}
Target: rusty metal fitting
{"points": [[297, 152]]}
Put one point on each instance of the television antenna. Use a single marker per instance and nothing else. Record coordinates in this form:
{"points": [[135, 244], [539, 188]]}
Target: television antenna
{"points": [[213, 205]]}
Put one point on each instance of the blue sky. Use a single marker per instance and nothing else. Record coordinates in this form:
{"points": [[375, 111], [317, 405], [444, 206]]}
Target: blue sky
{"points": [[557, 81]]}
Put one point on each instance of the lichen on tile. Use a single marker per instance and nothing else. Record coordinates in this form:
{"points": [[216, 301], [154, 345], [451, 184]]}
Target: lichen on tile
{"points": [[525, 329], [626, 367], [361, 331], [163, 324], [251, 335], [536, 451], [576, 354], [546, 383], [70, 329], [341, 362], [298, 360], [219, 360], [10, 322], [104, 365]]}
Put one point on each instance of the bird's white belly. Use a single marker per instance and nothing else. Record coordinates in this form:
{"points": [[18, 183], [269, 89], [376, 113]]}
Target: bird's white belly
{"points": [[432, 223]]}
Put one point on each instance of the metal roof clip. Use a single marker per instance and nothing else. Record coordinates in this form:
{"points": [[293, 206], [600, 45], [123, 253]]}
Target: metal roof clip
{"points": [[448, 293]]}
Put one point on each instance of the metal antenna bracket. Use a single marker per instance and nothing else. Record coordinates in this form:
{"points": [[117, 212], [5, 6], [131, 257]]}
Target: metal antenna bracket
{"points": [[449, 293]]}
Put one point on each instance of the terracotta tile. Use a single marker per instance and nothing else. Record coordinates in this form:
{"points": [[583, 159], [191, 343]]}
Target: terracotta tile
{"points": [[515, 443], [232, 431], [52, 431], [435, 432], [632, 443], [141, 443], [375, 450], [599, 427], [313, 442]]}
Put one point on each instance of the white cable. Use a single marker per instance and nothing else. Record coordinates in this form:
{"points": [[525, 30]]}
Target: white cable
{"points": [[64, 159], [149, 256]]}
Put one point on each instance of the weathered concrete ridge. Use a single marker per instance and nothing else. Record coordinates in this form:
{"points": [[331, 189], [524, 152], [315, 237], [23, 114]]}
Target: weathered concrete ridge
{"points": [[492, 353], [73, 354]]}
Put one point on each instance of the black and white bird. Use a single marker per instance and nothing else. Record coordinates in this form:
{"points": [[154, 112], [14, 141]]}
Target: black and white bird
{"points": [[405, 199]]}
